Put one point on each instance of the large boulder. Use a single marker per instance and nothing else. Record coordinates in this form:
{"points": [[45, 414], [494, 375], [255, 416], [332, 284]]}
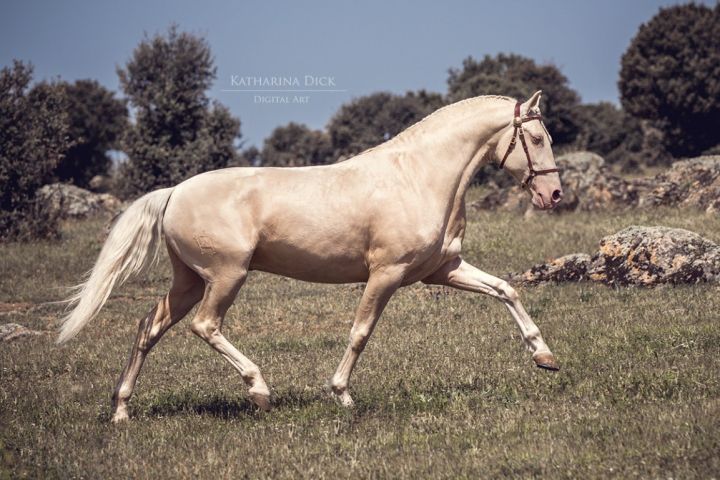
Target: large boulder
{"points": [[636, 256], [69, 201], [653, 255]]}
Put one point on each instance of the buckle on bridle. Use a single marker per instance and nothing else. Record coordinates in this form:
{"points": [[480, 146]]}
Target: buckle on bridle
{"points": [[517, 122]]}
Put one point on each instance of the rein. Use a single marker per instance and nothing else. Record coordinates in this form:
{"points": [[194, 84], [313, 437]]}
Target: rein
{"points": [[519, 132]]}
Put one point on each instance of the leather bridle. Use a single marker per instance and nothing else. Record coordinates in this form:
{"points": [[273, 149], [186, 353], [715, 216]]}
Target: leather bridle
{"points": [[519, 132]]}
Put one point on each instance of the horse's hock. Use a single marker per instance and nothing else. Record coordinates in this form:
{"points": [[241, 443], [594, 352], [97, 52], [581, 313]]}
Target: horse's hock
{"points": [[637, 255]]}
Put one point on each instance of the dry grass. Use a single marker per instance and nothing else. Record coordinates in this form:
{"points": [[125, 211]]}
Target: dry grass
{"points": [[444, 388]]}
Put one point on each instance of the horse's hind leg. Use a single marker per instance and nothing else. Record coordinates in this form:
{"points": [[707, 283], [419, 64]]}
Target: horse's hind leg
{"points": [[185, 292], [459, 274], [207, 324]]}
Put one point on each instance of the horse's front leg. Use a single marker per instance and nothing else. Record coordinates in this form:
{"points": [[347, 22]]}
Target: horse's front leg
{"points": [[380, 287], [459, 274]]}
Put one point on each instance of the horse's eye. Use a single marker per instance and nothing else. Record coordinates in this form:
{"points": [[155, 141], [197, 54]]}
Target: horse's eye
{"points": [[536, 140]]}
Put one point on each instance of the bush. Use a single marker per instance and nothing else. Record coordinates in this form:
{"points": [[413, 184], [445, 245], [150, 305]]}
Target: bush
{"points": [[613, 134], [296, 145], [178, 133], [97, 121], [670, 76], [368, 121], [33, 138]]}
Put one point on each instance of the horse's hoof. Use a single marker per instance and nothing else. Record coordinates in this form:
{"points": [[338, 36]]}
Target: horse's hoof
{"points": [[120, 417], [261, 400], [547, 361], [345, 400]]}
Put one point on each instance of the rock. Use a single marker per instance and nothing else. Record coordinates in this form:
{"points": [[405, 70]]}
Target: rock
{"points": [[655, 255], [12, 331], [589, 185], [100, 184], [570, 268], [69, 201], [688, 183], [644, 256]]}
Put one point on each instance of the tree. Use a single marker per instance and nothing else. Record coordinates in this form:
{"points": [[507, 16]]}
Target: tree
{"points": [[295, 145], [670, 76], [371, 120], [97, 121], [178, 132], [519, 77], [610, 132], [33, 138]]}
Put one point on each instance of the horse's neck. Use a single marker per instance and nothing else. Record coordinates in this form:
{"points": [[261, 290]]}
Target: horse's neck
{"points": [[450, 149]]}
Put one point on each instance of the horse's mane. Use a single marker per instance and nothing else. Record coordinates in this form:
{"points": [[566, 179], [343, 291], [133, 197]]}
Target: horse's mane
{"points": [[439, 112]]}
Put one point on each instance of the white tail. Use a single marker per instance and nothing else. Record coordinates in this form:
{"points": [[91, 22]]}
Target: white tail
{"points": [[132, 245]]}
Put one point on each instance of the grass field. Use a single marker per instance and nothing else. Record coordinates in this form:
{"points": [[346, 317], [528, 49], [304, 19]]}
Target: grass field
{"points": [[444, 388]]}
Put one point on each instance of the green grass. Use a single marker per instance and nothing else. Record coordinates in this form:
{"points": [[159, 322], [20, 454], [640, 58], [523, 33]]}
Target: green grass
{"points": [[444, 388]]}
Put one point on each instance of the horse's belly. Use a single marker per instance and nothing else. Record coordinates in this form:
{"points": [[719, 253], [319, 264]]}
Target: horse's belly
{"points": [[319, 263]]}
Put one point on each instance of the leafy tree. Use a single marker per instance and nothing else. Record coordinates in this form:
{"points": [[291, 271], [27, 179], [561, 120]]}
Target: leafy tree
{"points": [[33, 138], [670, 76], [296, 145], [519, 77], [178, 132], [371, 120], [97, 121], [610, 132]]}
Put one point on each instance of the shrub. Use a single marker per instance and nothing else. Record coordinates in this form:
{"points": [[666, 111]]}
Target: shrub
{"points": [[97, 121], [33, 138], [370, 120], [295, 145]]}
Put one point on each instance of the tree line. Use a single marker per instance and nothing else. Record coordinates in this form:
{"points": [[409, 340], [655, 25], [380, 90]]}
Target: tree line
{"points": [[170, 130]]}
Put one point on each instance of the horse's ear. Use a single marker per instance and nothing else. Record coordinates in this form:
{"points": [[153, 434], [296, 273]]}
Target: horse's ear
{"points": [[534, 102]]}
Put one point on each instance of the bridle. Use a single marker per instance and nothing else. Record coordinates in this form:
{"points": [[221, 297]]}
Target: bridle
{"points": [[519, 132]]}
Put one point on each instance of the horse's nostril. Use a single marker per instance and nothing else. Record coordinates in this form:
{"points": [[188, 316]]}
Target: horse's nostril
{"points": [[557, 195]]}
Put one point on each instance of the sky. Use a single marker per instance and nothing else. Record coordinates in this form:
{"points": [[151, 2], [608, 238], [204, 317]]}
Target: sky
{"points": [[327, 52]]}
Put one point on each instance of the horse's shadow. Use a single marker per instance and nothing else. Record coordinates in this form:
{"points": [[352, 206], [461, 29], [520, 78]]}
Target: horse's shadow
{"points": [[187, 403]]}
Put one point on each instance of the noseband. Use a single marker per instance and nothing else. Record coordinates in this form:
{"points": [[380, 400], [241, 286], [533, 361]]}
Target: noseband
{"points": [[519, 132]]}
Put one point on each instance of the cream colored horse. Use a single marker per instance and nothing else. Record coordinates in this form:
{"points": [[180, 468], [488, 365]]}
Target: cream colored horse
{"points": [[391, 216]]}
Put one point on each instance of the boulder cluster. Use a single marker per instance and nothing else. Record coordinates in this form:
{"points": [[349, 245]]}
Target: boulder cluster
{"points": [[588, 184]]}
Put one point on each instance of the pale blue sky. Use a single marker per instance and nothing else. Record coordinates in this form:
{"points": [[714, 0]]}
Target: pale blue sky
{"points": [[366, 46]]}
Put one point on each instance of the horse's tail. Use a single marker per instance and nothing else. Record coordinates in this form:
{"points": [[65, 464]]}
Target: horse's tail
{"points": [[132, 245]]}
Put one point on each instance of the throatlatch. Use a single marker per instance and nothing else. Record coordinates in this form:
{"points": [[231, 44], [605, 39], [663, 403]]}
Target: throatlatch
{"points": [[519, 132]]}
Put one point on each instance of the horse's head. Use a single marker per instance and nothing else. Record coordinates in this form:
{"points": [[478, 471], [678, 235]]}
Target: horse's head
{"points": [[532, 162]]}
